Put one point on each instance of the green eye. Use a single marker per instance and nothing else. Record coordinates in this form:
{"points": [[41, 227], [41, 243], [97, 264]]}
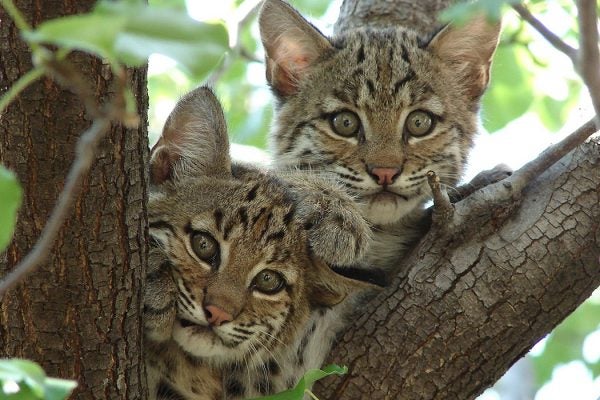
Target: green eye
{"points": [[419, 123], [345, 123], [205, 246], [268, 281]]}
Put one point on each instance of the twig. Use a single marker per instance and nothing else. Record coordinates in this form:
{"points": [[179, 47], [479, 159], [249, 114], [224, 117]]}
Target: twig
{"points": [[69, 77], [19, 20], [443, 210], [53, 64], [237, 50], [16, 15], [19, 86], [550, 36], [86, 150], [552, 154], [249, 56], [589, 57]]}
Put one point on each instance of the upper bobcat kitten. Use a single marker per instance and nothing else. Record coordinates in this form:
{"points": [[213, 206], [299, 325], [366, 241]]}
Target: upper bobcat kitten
{"points": [[237, 285], [377, 107]]}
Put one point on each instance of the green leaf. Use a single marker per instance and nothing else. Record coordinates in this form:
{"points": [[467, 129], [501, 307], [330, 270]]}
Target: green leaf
{"points": [[17, 369], [27, 372], [463, 11], [554, 113], [565, 342], [130, 31], [92, 33], [32, 381], [24, 393], [197, 46], [511, 92], [314, 8], [310, 377], [172, 4], [314, 375], [58, 389], [10, 201]]}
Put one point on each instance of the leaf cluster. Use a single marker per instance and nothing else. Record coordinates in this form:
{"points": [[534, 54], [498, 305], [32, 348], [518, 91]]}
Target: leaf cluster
{"points": [[26, 380]]}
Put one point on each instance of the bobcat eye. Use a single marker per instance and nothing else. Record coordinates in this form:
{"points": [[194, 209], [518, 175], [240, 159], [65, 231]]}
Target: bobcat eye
{"points": [[419, 123], [345, 123], [268, 281], [205, 246]]}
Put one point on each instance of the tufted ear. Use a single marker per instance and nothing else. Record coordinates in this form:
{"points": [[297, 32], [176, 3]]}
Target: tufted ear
{"points": [[326, 288], [468, 50], [193, 142], [291, 45]]}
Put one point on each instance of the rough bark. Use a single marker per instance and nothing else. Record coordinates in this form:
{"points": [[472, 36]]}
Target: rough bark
{"points": [[476, 297], [480, 289], [79, 314], [419, 15]]}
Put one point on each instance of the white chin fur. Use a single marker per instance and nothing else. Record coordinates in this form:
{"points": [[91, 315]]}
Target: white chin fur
{"points": [[388, 210], [205, 344]]}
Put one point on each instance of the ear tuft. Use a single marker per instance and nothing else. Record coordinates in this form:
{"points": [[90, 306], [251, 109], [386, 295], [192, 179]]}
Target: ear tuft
{"points": [[194, 141], [468, 49], [291, 45], [161, 166]]}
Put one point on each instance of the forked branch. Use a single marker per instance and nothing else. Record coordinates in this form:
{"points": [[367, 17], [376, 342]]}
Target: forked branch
{"points": [[550, 36]]}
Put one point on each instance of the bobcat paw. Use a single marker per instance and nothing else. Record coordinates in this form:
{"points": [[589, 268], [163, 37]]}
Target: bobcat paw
{"points": [[337, 232], [487, 177], [160, 307], [482, 179]]}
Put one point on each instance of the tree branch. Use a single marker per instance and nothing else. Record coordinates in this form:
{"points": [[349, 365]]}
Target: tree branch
{"points": [[550, 36], [477, 293], [551, 155], [589, 57], [419, 15], [238, 50]]}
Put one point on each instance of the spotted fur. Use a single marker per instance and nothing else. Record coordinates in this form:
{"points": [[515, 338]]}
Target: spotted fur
{"points": [[380, 75], [292, 225]]}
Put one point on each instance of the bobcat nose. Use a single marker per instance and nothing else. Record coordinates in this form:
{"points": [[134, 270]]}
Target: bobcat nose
{"points": [[216, 316], [384, 175]]}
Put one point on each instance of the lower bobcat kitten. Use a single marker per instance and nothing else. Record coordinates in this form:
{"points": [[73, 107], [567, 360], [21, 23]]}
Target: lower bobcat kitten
{"points": [[238, 290], [379, 108]]}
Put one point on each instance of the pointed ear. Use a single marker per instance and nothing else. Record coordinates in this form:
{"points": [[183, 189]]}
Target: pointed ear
{"points": [[193, 142], [468, 50], [291, 45], [328, 288]]}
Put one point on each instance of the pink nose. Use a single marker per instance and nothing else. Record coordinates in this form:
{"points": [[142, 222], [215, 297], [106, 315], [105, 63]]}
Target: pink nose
{"points": [[384, 175], [217, 316]]}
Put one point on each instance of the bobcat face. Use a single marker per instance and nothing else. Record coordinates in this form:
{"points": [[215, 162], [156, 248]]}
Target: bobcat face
{"points": [[239, 261], [233, 275], [377, 107], [379, 124]]}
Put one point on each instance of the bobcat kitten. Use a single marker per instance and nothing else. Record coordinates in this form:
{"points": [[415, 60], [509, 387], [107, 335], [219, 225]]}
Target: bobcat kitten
{"points": [[237, 289], [379, 108]]}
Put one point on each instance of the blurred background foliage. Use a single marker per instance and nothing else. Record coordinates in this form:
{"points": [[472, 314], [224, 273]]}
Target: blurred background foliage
{"points": [[531, 82]]}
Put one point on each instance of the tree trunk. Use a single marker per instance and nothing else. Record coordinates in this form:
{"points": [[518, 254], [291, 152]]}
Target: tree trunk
{"points": [[482, 287], [79, 314], [420, 15]]}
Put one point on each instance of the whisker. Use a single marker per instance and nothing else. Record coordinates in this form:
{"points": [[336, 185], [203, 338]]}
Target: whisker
{"points": [[270, 335]]}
